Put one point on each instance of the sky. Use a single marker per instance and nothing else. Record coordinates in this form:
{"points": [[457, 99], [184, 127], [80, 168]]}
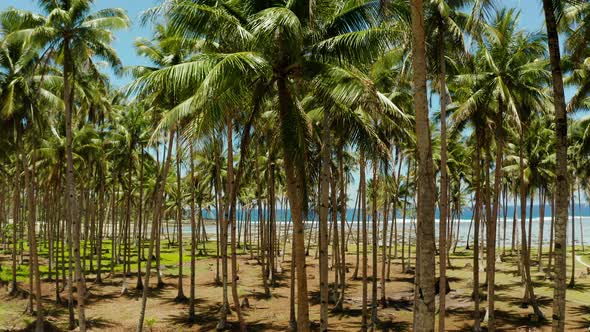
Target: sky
{"points": [[531, 19]]}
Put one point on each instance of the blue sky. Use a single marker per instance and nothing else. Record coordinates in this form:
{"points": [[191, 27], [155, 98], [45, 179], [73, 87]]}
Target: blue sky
{"points": [[531, 19]]}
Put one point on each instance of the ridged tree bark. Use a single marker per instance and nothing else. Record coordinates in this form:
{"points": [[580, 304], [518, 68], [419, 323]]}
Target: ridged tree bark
{"points": [[561, 188], [425, 262], [443, 201], [324, 205]]}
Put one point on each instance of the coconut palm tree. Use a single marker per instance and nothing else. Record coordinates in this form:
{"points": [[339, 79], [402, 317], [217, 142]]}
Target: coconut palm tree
{"points": [[72, 30], [552, 10]]}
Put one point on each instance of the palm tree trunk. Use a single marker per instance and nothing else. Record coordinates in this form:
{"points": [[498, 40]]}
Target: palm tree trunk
{"points": [[549, 270], [404, 211], [492, 222], [505, 208], [159, 193], [541, 224], [443, 203], [363, 209], [580, 218], [193, 186], [140, 207], [323, 219], [13, 288], [180, 297], [375, 247], [572, 282], [476, 222], [425, 261], [529, 290], [295, 177], [68, 94], [561, 188], [30, 180], [340, 303]]}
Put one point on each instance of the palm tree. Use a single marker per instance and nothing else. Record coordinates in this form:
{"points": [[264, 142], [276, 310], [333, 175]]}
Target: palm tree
{"points": [[562, 188], [229, 74], [70, 29], [424, 285]]}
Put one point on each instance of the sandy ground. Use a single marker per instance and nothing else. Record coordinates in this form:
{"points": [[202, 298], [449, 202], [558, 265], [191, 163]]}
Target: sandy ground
{"points": [[108, 310]]}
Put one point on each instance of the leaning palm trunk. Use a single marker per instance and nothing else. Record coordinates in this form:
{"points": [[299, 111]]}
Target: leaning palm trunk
{"points": [[561, 188], [491, 229], [159, 193], [529, 290], [424, 284]]}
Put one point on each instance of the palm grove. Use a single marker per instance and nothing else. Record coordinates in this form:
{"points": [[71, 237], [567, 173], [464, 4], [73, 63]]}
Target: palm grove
{"points": [[261, 117]]}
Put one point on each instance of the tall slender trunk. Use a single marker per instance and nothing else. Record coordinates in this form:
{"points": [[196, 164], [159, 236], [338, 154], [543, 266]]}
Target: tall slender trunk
{"points": [[30, 175], [561, 188], [541, 224], [193, 186], [572, 282], [425, 261], [158, 196], [384, 255], [505, 208], [404, 211], [375, 246], [549, 273], [580, 217], [296, 184], [529, 290], [180, 297], [492, 222], [16, 191], [363, 210], [514, 220], [140, 206], [224, 219], [476, 223], [443, 203], [68, 94], [323, 215], [340, 303]]}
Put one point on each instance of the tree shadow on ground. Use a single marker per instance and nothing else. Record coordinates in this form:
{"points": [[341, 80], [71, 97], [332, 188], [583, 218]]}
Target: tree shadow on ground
{"points": [[261, 296], [391, 326], [99, 323], [517, 320], [400, 304]]}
